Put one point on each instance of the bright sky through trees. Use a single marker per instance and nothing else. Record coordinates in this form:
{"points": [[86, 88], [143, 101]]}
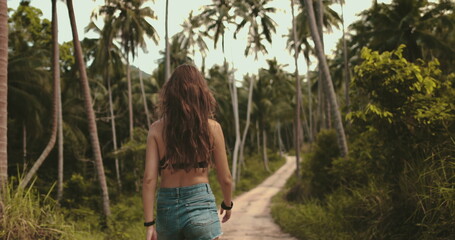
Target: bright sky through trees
{"points": [[180, 9]]}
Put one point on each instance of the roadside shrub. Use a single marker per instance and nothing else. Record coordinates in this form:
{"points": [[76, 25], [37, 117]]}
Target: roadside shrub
{"points": [[316, 175], [398, 180], [309, 221]]}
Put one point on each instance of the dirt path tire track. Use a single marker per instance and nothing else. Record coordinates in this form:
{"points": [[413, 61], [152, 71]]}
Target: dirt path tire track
{"points": [[251, 218]]}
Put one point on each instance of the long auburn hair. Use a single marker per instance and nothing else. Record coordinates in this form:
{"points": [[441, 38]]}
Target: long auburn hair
{"points": [[185, 105]]}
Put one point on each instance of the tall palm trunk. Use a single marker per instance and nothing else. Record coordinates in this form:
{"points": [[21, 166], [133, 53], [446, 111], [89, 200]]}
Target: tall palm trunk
{"points": [[265, 158], [55, 102], [322, 95], [247, 125], [328, 80], [310, 102], [235, 154], [60, 149], [327, 109], [130, 97], [306, 128], [347, 73], [24, 144], [168, 60], [146, 109], [56, 68], [258, 141], [298, 93], [114, 132], [280, 140], [3, 91], [90, 113]]}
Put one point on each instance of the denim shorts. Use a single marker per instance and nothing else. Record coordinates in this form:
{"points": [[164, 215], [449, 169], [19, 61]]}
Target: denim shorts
{"points": [[187, 213]]}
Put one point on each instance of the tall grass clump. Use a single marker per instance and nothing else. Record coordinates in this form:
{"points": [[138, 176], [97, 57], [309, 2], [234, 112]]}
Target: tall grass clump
{"points": [[28, 215]]}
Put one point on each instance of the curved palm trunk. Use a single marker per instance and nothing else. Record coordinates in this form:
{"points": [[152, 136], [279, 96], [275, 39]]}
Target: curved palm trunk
{"points": [[146, 109], [298, 93], [3, 92], [90, 113], [328, 80], [168, 61], [247, 125], [56, 98]]}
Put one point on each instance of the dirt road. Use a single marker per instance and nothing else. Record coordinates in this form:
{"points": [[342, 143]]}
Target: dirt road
{"points": [[251, 218]]}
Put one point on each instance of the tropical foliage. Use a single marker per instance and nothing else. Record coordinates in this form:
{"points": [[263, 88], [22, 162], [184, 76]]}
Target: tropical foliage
{"points": [[395, 181]]}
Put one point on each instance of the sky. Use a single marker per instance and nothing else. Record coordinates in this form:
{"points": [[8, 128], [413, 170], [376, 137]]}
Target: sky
{"points": [[179, 11]]}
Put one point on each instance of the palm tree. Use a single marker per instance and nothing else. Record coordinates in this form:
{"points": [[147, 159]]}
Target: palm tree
{"points": [[56, 76], [327, 18], [56, 120], [167, 72], [420, 25], [190, 37], [347, 71], [146, 109], [108, 53], [298, 93], [247, 124], [3, 91], [218, 81], [130, 25], [250, 12], [90, 113], [216, 16], [178, 55], [28, 87], [327, 80]]}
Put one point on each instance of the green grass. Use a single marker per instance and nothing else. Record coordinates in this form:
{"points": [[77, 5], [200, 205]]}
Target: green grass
{"points": [[306, 221], [25, 214]]}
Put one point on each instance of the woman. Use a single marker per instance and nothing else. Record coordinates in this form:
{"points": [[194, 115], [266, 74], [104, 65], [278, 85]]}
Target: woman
{"points": [[181, 147]]}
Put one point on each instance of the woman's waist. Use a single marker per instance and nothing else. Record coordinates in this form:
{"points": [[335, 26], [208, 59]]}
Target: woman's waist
{"points": [[182, 178], [191, 192]]}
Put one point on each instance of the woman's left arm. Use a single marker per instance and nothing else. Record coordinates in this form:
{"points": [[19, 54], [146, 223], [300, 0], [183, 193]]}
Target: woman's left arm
{"points": [[150, 176]]}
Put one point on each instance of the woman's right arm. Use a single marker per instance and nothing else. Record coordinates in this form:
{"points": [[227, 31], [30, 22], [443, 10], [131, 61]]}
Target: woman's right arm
{"points": [[150, 180], [222, 168]]}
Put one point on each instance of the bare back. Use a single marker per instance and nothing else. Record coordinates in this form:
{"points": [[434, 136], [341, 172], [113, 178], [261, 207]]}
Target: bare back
{"points": [[180, 177]]}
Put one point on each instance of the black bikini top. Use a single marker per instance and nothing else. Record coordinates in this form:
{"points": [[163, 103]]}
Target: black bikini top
{"points": [[165, 164]]}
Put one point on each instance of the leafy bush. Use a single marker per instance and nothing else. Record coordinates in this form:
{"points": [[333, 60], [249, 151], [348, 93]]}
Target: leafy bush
{"points": [[317, 179], [398, 181]]}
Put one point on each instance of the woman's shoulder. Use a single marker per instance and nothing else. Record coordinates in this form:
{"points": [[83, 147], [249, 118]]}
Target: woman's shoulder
{"points": [[156, 127], [214, 124], [215, 127]]}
